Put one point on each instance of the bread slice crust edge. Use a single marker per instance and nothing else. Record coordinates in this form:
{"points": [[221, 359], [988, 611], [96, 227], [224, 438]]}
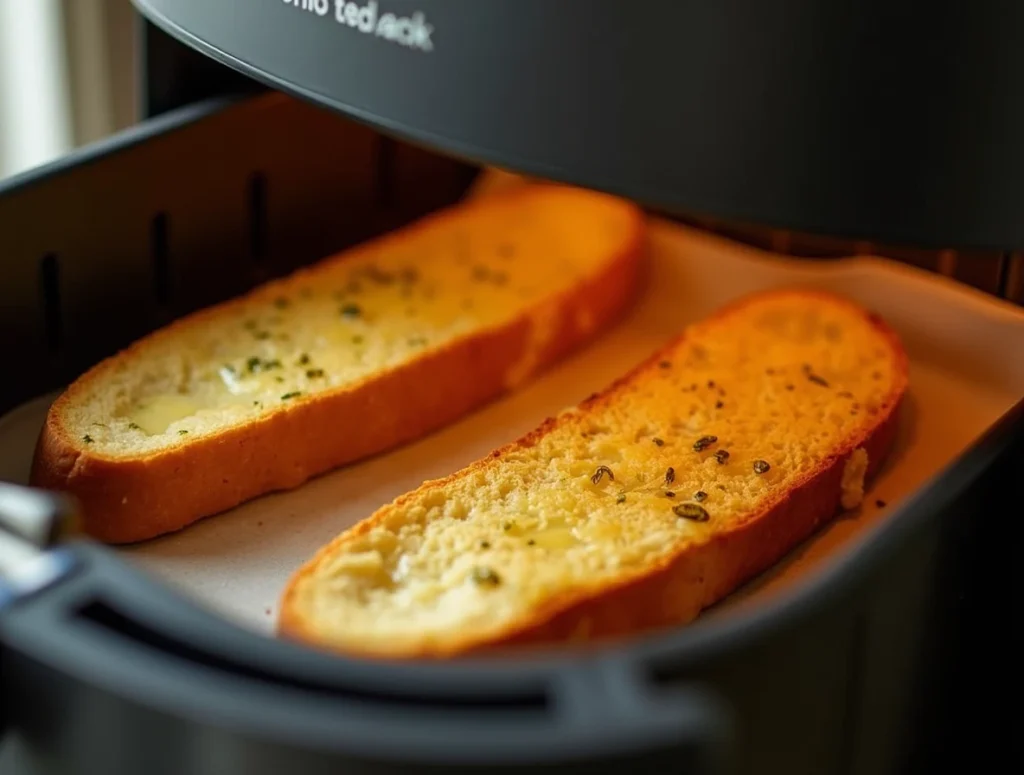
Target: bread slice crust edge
{"points": [[672, 591], [130, 499]]}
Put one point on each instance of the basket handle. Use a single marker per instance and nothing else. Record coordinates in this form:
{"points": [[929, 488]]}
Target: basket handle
{"points": [[31, 522]]}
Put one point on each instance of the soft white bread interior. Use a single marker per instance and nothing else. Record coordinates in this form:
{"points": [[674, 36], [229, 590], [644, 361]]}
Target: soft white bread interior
{"points": [[359, 353], [646, 504]]}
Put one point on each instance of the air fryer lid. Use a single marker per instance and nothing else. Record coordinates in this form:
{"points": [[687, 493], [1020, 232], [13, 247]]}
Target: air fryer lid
{"points": [[857, 118]]}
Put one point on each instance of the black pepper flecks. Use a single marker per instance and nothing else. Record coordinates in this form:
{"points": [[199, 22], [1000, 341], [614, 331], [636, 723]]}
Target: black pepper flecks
{"points": [[658, 442], [600, 473], [761, 467], [293, 394], [703, 443], [670, 475], [880, 503], [722, 456], [315, 373], [691, 511], [621, 498], [665, 364], [351, 311], [87, 439], [700, 496], [486, 577], [669, 494], [485, 544], [719, 404], [817, 380]]}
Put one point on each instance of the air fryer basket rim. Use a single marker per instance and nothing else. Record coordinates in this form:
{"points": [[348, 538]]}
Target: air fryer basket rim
{"points": [[145, 131], [687, 644]]}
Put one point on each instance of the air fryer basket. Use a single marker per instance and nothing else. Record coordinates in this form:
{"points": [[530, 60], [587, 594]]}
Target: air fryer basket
{"points": [[881, 666]]}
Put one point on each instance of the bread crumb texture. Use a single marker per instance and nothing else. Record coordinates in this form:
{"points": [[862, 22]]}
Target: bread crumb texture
{"points": [[347, 320], [707, 435]]}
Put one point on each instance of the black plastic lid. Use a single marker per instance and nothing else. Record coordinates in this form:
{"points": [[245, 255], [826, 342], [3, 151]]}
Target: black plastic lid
{"points": [[872, 119]]}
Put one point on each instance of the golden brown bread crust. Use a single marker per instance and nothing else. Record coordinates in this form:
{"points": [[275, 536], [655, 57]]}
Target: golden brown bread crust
{"points": [[675, 591], [134, 499]]}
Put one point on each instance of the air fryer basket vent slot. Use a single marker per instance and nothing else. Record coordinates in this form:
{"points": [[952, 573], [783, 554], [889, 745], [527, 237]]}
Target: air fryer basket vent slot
{"points": [[49, 282], [159, 239], [186, 211]]}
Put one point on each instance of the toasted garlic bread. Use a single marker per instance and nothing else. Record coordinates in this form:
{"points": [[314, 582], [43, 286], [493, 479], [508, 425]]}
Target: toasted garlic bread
{"points": [[362, 352], [641, 507]]}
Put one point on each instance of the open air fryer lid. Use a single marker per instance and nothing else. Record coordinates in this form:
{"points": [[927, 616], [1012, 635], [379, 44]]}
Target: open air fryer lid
{"points": [[859, 118]]}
